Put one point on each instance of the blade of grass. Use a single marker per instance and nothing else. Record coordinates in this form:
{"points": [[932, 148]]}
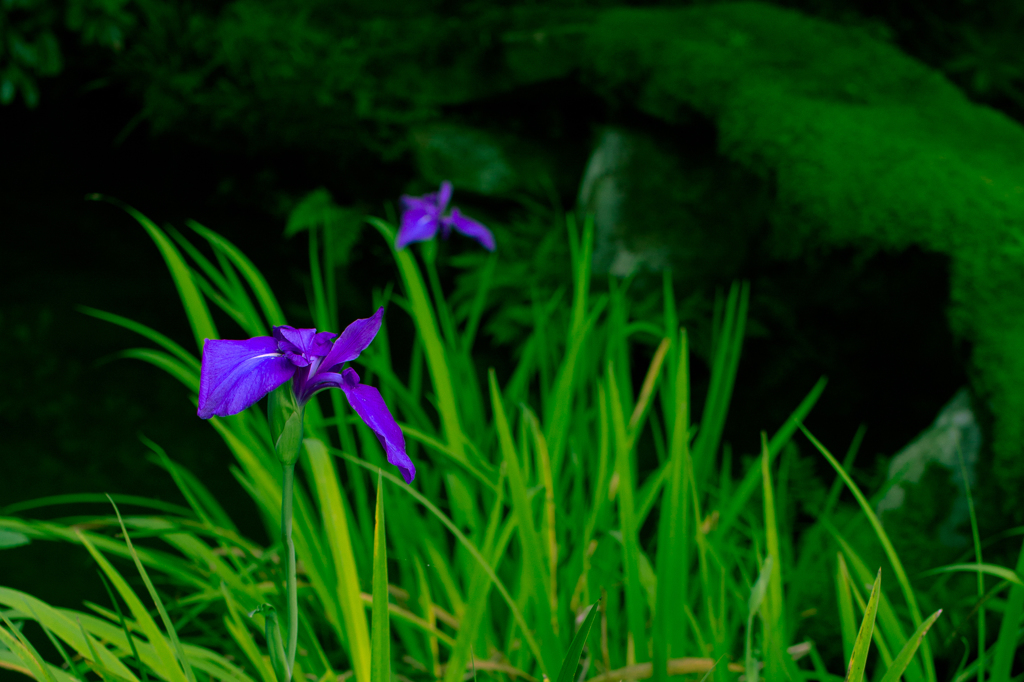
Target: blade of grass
{"points": [[582, 323], [176, 369], [847, 622], [530, 540], [902, 660], [195, 305], [890, 551], [164, 652], [672, 560], [426, 326], [572, 657], [23, 649], [627, 515], [1006, 644], [861, 646], [544, 469], [479, 588], [976, 538], [517, 614], [777, 661], [336, 528], [156, 337], [182, 659], [260, 289], [741, 495], [124, 627], [757, 594], [380, 655]]}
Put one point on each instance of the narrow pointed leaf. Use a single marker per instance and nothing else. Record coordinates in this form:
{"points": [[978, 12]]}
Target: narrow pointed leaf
{"points": [[902, 659], [861, 646], [380, 655], [572, 658]]}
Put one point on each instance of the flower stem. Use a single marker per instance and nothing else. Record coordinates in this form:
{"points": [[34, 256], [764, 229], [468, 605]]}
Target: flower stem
{"points": [[286, 535]]}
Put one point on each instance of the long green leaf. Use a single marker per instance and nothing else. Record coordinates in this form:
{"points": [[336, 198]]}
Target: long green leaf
{"points": [[260, 288], [890, 551], [749, 483], [380, 655], [757, 594], [847, 623], [156, 337], [533, 556], [1006, 644], [902, 660], [1000, 572], [336, 528], [479, 558], [673, 533], [426, 326], [195, 305], [567, 672], [861, 646], [627, 516]]}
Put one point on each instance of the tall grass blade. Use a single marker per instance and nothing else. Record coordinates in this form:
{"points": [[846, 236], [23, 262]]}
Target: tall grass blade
{"points": [[522, 510], [156, 337], [890, 551], [757, 594], [861, 646], [195, 305], [672, 560], [16, 642], [776, 660], [433, 346], [572, 657], [168, 626], [1006, 644], [336, 529], [902, 660], [741, 495], [627, 516], [261, 290], [164, 652], [479, 558], [847, 622], [380, 656]]}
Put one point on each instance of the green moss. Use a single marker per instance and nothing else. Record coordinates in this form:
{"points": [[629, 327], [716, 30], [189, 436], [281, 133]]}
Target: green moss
{"points": [[863, 146]]}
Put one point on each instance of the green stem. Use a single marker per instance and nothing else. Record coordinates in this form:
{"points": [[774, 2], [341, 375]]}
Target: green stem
{"points": [[286, 535]]}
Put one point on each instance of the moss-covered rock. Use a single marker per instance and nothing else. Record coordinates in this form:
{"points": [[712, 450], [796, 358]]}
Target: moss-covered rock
{"points": [[864, 147]]}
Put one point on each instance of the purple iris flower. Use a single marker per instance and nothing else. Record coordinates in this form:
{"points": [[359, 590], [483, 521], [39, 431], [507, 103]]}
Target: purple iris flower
{"points": [[235, 374], [422, 216]]}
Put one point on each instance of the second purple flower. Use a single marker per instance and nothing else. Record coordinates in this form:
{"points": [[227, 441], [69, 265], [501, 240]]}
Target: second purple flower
{"points": [[423, 216]]}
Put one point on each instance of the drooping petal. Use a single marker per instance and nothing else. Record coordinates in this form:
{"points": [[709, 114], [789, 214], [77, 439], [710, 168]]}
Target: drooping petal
{"points": [[470, 228], [353, 341], [235, 374], [367, 402], [420, 220]]}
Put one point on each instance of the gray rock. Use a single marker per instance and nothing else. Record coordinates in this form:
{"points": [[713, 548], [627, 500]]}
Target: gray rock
{"points": [[954, 434]]}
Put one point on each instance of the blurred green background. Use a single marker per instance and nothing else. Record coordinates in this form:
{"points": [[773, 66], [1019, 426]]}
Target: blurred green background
{"points": [[230, 113]]}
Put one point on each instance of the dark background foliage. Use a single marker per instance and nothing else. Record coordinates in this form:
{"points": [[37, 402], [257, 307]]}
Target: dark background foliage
{"points": [[230, 112]]}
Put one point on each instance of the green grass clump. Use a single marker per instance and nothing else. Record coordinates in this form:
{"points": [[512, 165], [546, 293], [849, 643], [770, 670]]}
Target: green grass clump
{"points": [[565, 521]]}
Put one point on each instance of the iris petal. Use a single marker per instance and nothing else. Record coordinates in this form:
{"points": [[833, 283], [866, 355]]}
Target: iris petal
{"points": [[444, 196], [353, 341], [367, 402], [420, 220], [235, 374], [470, 228]]}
